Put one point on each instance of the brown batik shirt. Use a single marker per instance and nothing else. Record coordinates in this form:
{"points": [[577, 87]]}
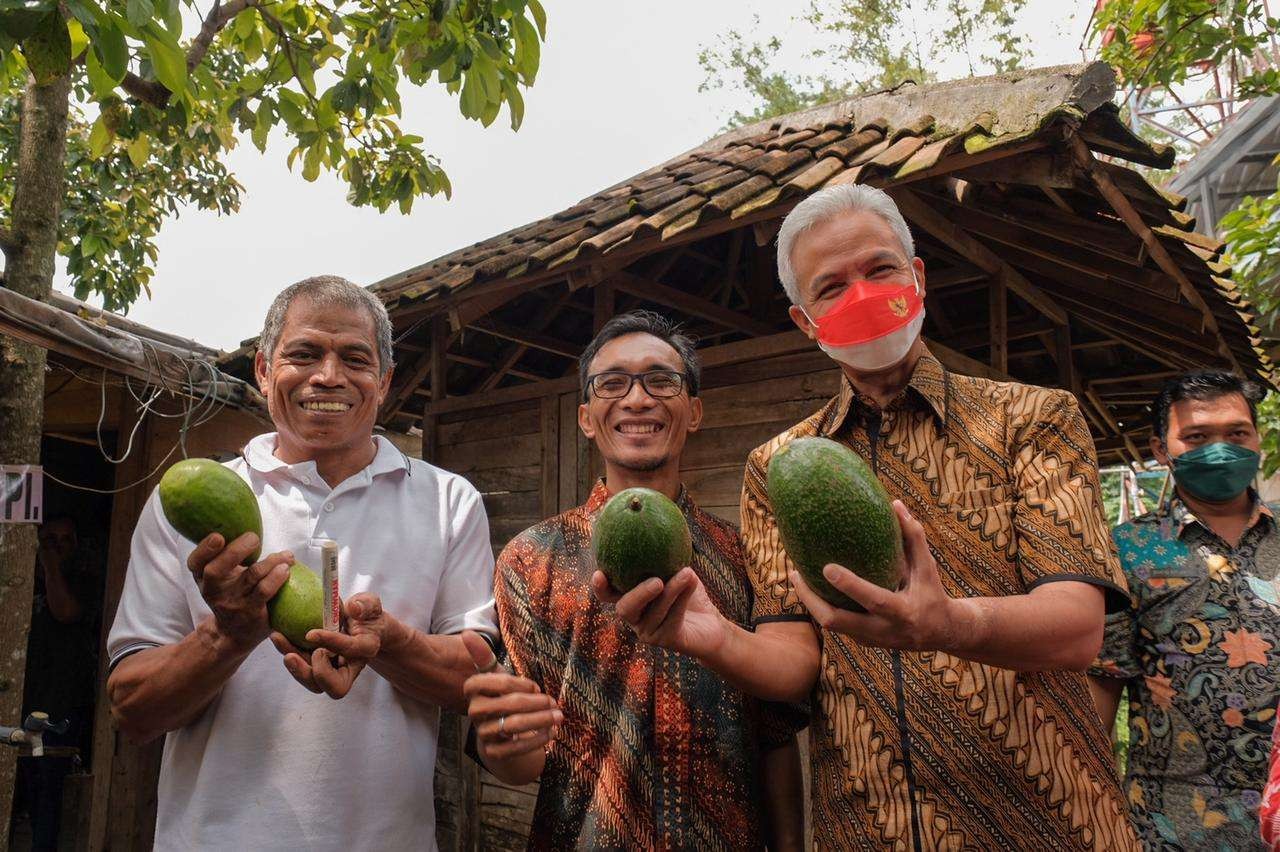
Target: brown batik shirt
{"points": [[655, 751], [926, 750]]}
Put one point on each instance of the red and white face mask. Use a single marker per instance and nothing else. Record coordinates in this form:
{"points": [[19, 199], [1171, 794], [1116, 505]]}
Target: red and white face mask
{"points": [[872, 326]]}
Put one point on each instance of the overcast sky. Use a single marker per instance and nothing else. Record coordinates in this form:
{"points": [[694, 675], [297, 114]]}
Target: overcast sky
{"points": [[616, 94]]}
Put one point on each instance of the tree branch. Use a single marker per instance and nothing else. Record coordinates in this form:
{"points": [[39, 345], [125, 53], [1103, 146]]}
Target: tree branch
{"points": [[219, 16], [154, 92], [148, 91]]}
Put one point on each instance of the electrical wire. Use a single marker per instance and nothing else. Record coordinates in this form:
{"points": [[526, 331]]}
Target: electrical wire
{"points": [[198, 407]]}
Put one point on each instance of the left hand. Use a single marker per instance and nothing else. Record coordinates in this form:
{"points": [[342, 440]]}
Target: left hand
{"points": [[332, 668], [919, 616]]}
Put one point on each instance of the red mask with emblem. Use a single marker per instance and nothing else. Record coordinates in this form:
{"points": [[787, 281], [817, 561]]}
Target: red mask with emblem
{"points": [[872, 326]]}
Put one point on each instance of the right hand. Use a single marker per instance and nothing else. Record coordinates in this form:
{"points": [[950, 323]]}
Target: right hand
{"points": [[509, 714], [237, 594], [677, 614]]}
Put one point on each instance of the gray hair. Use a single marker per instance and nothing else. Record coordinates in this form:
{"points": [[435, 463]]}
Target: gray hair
{"points": [[329, 291], [644, 322], [823, 205]]}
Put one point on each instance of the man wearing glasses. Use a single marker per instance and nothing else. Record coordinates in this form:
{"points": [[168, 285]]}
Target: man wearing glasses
{"points": [[636, 746]]}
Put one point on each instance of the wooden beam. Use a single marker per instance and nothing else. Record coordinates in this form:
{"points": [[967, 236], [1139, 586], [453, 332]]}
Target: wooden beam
{"points": [[1134, 221], [603, 307], [1105, 414], [410, 380], [947, 232], [545, 316], [762, 281], [652, 291], [458, 358], [527, 337], [439, 391], [1062, 354], [998, 320]]}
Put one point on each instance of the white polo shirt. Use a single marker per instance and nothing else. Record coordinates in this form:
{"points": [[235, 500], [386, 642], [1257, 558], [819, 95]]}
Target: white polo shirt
{"points": [[270, 765]]}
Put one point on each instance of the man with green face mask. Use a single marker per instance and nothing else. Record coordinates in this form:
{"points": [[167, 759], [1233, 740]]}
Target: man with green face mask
{"points": [[1198, 647]]}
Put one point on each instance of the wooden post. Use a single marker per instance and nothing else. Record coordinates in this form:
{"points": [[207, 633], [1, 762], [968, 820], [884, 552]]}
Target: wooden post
{"points": [[998, 303], [568, 457], [439, 371], [549, 415], [1066, 366], [125, 508], [761, 281], [604, 307]]}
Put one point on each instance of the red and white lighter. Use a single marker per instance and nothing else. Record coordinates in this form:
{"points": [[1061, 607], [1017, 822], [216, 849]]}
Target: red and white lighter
{"points": [[329, 577]]}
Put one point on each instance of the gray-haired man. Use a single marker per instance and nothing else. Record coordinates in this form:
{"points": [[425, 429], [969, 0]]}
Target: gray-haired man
{"points": [[253, 760], [953, 712]]}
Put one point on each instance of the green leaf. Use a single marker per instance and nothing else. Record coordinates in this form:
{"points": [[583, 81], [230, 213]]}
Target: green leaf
{"points": [[139, 150], [540, 16], [515, 102], [168, 60], [528, 49], [139, 12], [111, 48], [100, 137], [472, 99], [79, 40], [311, 163], [99, 80]]}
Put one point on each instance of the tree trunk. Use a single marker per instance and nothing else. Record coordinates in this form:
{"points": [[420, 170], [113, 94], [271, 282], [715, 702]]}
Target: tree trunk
{"points": [[29, 265]]}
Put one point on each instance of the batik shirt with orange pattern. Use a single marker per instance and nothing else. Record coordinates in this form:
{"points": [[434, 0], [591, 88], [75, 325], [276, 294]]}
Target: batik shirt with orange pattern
{"points": [[926, 750], [655, 751]]}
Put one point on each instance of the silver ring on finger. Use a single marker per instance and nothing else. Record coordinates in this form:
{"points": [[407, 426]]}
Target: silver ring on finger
{"points": [[502, 728]]}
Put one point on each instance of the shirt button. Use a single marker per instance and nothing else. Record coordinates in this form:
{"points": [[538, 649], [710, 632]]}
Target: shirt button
{"points": [[306, 480], [328, 507]]}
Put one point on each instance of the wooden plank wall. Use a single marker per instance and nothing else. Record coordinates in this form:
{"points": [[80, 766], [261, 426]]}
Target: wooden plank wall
{"points": [[530, 461]]}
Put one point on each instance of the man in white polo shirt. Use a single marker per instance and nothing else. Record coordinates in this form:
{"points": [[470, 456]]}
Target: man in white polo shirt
{"points": [[252, 759]]}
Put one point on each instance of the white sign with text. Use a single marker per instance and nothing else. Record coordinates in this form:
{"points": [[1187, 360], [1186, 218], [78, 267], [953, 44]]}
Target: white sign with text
{"points": [[21, 494]]}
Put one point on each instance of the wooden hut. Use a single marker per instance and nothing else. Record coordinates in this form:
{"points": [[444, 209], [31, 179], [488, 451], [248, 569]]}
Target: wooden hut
{"points": [[1050, 260], [118, 389]]}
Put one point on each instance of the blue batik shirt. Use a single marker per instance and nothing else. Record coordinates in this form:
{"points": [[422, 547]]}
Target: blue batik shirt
{"points": [[1198, 650]]}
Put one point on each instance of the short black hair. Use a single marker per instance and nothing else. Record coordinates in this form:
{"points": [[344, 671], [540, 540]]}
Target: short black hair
{"points": [[1201, 385], [644, 322]]}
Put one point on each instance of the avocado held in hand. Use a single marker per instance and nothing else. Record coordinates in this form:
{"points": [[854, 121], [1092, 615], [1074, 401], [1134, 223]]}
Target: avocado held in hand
{"points": [[299, 606], [830, 507], [200, 496], [640, 534]]}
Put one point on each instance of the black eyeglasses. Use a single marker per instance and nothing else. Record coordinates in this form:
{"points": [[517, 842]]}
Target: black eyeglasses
{"points": [[615, 384]]}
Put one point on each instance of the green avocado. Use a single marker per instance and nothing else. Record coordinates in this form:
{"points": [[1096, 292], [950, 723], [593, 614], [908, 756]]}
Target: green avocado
{"points": [[200, 496], [298, 606], [830, 507], [640, 534]]}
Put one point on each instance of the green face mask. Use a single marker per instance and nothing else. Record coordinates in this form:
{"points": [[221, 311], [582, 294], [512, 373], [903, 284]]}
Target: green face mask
{"points": [[1216, 472]]}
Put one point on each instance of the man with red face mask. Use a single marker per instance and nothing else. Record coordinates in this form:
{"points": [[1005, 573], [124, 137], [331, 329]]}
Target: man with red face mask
{"points": [[953, 712]]}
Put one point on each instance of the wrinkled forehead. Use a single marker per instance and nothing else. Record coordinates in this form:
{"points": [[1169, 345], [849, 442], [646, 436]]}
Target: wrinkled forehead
{"points": [[1228, 409], [635, 353], [313, 319]]}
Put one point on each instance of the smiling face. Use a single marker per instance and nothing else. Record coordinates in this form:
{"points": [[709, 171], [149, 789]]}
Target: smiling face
{"points": [[323, 386], [638, 432], [836, 252]]}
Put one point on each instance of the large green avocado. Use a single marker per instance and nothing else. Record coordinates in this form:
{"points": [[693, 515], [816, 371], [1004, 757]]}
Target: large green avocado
{"points": [[830, 507], [298, 606], [200, 496], [640, 534]]}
